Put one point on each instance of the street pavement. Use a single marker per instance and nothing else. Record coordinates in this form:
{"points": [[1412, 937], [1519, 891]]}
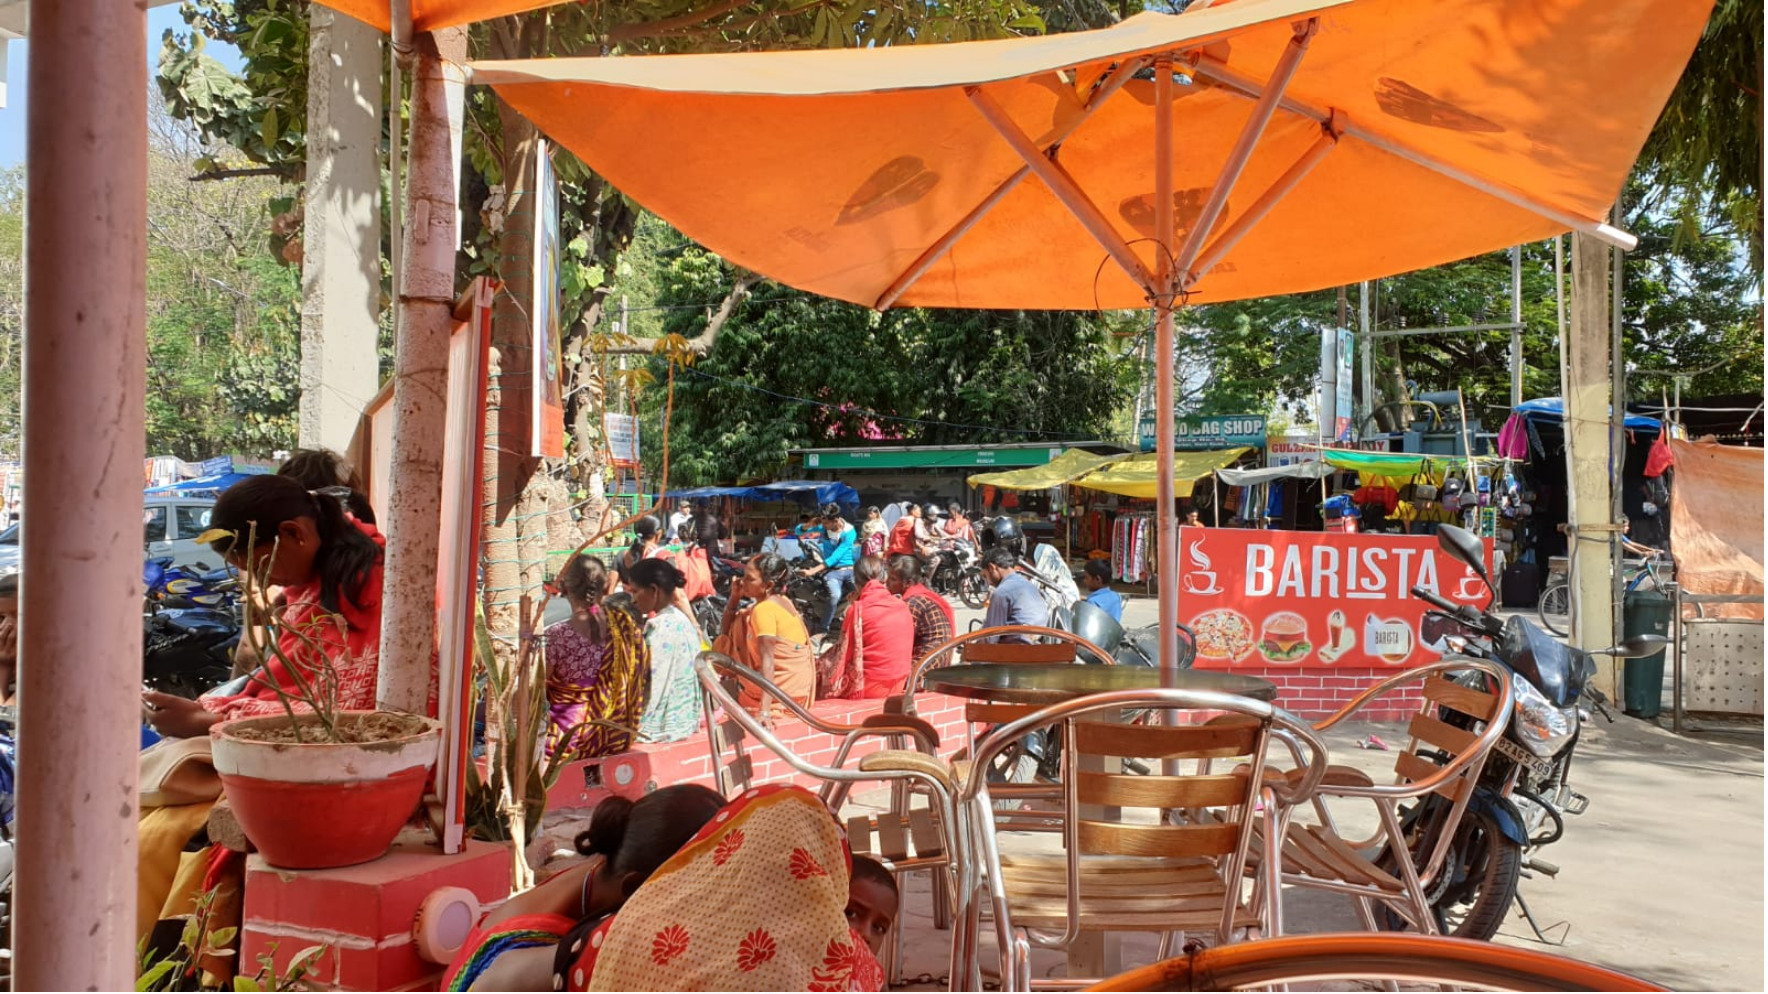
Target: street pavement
{"points": [[1662, 877]]}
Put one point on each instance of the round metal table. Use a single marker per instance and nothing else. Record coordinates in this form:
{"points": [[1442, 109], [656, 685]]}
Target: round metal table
{"points": [[1053, 683]]}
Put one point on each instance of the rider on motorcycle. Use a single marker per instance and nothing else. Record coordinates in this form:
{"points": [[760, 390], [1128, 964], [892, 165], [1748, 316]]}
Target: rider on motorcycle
{"points": [[838, 544], [1015, 600]]}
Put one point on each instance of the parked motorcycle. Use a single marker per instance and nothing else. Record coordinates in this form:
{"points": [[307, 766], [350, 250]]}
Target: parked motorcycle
{"points": [[1524, 792], [169, 586], [187, 651]]}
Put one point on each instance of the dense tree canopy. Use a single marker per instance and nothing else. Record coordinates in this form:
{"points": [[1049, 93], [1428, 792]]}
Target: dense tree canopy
{"points": [[791, 370]]}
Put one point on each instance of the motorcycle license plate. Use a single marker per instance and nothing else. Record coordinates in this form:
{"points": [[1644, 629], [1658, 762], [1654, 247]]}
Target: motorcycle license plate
{"points": [[1523, 758]]}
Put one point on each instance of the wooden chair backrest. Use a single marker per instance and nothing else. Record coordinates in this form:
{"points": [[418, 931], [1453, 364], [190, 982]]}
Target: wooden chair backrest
{"points": [[1018, 652], [1431, 733], [1226, 794], [732, 768]]}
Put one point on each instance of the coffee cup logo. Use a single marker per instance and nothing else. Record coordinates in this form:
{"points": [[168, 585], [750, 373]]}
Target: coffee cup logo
{"points": [[1471, 588], [1200, 579]]}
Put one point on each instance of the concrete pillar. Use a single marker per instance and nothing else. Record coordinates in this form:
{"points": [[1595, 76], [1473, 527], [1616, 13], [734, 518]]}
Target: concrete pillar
{"points": [[341, 241], [85, 367], [413, 512], [1587, 454]]}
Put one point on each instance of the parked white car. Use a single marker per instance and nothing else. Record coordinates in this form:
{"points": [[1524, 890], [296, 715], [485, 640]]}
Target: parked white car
{"points": [[170, 526]]}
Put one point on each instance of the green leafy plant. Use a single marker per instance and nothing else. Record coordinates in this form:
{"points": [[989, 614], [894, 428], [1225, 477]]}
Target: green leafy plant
{"points": [[183, 968]]}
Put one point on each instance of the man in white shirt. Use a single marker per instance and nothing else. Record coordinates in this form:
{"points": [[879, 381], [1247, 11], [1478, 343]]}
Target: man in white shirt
{"points": [[678, 522]]}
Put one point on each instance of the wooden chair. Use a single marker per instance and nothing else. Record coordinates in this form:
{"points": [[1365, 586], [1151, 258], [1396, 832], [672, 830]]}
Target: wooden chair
{"points": [[1113, 876], [905, 839], [1053, 647], [1439, 768]]}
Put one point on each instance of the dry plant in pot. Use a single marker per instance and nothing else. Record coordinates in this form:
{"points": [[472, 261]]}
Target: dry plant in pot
{"points": [[316, 786]]}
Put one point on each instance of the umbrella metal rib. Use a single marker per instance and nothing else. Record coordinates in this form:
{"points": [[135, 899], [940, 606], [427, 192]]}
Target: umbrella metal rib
{"points": [[1237, 82], [1287, 63], [1109, 85]]}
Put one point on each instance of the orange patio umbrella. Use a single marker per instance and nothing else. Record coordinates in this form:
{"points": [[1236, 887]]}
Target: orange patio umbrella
{"points": [[429, 15], [1242, 149]]}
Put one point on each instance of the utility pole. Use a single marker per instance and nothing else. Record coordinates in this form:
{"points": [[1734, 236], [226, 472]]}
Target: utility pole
{"points": [[1617, 438], [1587, 397], [1366, 349], [1516, 329]]}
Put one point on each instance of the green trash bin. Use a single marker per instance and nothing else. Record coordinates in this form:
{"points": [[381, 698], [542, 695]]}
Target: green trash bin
{"points": [[1645, 612]]}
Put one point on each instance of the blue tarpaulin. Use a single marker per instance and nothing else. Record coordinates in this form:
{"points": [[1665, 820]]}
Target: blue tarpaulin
{"points": [[1553, 409], [815, 492], [202, 486]]}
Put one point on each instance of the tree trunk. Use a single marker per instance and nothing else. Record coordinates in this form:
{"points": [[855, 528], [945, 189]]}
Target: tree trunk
{"points": [[420, 374]]}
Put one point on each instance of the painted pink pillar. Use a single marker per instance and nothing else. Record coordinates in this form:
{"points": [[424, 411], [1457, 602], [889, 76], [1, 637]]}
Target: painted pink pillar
{"points": [[84, 369]]}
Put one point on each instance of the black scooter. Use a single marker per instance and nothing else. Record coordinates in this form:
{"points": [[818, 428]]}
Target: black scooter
{"points": [[188, 651], [1524, 791]]}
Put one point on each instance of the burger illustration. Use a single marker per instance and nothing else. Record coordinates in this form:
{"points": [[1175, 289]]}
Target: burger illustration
{"points": [[1285, 638]]}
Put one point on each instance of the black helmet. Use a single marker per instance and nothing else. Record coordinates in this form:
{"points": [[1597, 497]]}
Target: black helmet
{"points": [[831, 511], [931, 511], [1004, 532]]}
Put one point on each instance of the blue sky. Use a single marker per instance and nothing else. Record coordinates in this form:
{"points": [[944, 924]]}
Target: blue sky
{"points": [[12, 117]]}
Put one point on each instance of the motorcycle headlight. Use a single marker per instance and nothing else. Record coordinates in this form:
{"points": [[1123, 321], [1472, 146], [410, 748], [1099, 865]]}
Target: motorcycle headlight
{"points": [[1542, 728]]}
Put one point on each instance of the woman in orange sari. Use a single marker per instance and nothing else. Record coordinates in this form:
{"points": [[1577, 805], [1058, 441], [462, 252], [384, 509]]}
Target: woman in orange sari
{"points": [[769, 636]]}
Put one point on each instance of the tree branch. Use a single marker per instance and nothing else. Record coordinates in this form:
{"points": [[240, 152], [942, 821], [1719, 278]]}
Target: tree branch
{"points": [[700, 344], [280, 172], [620, 34]]}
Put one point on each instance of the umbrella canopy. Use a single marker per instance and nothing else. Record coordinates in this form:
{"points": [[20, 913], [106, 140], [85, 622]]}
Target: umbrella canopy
{"points": [[1139, 475], [1408, 134], [1247, 148], [428, 15], [1070, 465]]}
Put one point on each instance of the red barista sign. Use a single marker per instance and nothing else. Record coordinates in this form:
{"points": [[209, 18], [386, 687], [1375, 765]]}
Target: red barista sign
{"points": [[1264, 598]]}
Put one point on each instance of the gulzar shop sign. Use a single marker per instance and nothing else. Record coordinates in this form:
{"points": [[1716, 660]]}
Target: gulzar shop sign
{"points": [[1213, 431], [1271, 598]]}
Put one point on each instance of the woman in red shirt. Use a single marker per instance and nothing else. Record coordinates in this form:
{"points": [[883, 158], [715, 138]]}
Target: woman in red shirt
{"points": [[877, 640], [329, 566]]}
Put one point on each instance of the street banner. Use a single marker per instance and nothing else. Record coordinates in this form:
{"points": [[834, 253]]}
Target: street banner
{"points": [[549, 392], [1209, 431], [1280, 598], [621, 431]]}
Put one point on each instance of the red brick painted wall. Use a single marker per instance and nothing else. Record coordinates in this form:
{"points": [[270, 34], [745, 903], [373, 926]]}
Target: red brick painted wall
{"points": [[1319, 693], [582, 785]]}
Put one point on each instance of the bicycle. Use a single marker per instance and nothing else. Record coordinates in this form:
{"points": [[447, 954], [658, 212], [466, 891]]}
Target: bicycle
{"points": [[1555, 607]]}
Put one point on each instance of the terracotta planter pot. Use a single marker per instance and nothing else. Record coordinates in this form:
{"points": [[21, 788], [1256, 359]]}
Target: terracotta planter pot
{"points": [[317, 805]]}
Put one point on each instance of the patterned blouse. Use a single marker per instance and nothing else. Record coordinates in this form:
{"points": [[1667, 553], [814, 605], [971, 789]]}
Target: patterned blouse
{"points": [[674, 711]]}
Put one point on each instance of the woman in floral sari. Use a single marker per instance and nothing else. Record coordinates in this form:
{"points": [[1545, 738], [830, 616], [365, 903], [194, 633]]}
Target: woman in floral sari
{"points": [[757, 901], [598, 670]]}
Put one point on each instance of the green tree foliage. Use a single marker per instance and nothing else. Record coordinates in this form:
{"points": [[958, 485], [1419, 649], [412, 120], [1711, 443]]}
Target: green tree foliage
{"points": [[795, 370], [1707, 145]]}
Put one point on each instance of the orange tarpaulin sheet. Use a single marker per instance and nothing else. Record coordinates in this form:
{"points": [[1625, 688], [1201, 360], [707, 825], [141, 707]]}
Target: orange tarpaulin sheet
{"points": [[428, 15], [834, 171], [1716, 524]]}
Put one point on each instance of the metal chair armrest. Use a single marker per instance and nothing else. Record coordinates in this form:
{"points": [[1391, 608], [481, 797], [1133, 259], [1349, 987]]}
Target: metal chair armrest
{"points": [[906, 760]]}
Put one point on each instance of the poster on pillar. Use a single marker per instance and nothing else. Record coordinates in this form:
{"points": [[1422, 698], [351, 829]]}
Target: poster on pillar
{"points": [[549, 392], [1274, 598]]}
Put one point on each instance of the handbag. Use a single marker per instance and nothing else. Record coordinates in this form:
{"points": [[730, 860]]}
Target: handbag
{"points": [[1425, 490]]}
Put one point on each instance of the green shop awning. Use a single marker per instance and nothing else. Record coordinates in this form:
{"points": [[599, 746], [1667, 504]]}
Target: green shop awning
{"points": [[929, 458], [1393, 465]]}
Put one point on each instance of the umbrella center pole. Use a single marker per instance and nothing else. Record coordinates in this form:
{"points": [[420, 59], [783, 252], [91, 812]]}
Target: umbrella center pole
{"points": [[1161, 291]]}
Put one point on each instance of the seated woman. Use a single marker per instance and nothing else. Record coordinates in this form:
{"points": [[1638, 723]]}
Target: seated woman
{"points": [[329, 566], [598, 669], [769, 636], [673, 712], [878, 641], [515, 948], [757, 901]]}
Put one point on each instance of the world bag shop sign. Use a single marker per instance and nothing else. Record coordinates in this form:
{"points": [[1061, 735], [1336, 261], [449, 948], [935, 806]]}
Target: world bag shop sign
{"points": [[1268, 598]]}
